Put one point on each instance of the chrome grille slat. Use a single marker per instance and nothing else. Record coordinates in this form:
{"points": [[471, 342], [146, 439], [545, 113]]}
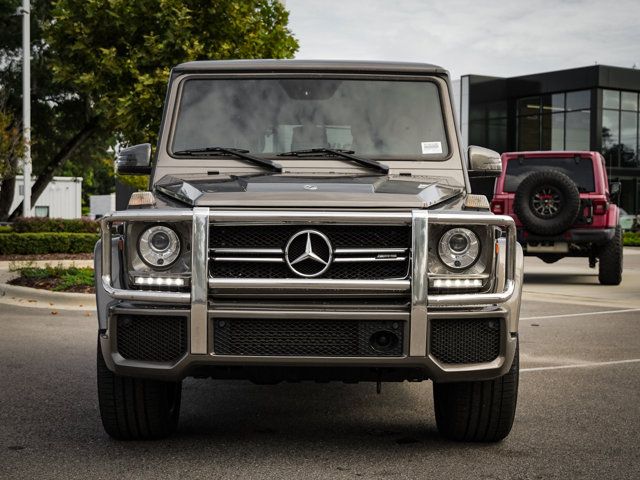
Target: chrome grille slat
{"points": [[257, 251], [249, 259], [369, 259]]}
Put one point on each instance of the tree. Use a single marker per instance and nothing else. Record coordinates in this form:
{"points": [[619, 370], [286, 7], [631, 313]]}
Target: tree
{"points": [[107, 63], [11, 148], [59, 114]]}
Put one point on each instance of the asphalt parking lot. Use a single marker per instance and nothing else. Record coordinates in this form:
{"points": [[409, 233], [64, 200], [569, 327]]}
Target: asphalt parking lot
{"points": [[578, 413]]}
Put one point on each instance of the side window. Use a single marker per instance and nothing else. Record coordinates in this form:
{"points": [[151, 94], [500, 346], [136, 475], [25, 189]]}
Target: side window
{"points": [[42, 211]]}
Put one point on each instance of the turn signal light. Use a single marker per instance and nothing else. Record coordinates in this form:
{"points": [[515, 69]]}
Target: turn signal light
{"points": [[142, 199]]}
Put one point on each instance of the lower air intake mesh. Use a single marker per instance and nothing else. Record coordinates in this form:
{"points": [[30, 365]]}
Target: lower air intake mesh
{"points": [[313, 338], [152, 338], [474, 340]]}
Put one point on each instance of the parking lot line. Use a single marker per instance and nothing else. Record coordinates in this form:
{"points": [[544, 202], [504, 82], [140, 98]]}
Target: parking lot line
{"points": [[565, 315], [581, 365]]}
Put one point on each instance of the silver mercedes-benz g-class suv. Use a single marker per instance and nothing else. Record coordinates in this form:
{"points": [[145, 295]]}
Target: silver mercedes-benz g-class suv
{"points": [[308, 220]]}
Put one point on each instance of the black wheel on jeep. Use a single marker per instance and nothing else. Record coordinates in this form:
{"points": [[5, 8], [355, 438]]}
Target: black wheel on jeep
{"points": [[477, 411], [134, 408], [547, 202], [610, 268]]}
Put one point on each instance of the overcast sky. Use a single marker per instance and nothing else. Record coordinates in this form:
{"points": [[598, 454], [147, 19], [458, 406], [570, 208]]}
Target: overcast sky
{"points": [[503, 38]]}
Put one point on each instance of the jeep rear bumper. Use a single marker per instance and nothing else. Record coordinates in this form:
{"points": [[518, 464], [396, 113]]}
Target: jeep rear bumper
{"points": [[578, 236]]}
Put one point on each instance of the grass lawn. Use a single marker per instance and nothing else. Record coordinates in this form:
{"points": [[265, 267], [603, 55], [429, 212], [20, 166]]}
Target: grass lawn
{"points": [[56, 278]]}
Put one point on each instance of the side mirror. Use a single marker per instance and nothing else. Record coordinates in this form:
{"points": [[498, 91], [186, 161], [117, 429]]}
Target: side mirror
{"points": [[134, 160], [615, 188], [484, 162]]}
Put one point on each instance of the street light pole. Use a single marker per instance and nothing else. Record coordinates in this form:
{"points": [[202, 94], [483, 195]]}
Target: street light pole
{"points": [[26, 106]]}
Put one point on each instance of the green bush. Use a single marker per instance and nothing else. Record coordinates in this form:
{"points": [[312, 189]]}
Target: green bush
{"points": [[5, 229], [41, 224], [66, 278], [45, 242], [631, 239]]}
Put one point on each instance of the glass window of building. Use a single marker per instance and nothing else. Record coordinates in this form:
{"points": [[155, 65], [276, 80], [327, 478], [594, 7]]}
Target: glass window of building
{"points": [[529, 105], [620, 136], [611, 99], [42, 211], [628, 194], [629, 101], [577, 130], [610, 136], [560, 121], [529, 132], [497, 134], [553, 103], [580, 100], [628, 139], [488, 125], [553, 132]]}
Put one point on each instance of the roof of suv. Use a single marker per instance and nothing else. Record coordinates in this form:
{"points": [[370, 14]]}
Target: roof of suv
{"points": [[263, 65], [550, 153]]}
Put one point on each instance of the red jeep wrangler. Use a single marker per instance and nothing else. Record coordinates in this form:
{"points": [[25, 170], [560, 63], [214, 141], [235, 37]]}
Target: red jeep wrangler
{"points": [[563, 206]]}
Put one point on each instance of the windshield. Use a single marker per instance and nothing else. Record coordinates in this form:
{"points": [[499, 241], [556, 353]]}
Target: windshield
{"points": [[580, 170], [375, 118]]}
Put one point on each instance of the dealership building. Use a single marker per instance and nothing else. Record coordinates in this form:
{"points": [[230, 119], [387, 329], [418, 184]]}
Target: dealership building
{"points": [[588, 108]]}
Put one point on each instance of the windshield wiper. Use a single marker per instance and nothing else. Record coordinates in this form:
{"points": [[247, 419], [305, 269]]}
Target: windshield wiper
{"points": [[233, 152], [348, 154]]}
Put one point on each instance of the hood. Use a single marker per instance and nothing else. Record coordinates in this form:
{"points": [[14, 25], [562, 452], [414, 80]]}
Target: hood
{"points": [[308, 191]]}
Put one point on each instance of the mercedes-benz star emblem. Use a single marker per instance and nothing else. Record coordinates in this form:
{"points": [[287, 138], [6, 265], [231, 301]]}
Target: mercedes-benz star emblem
{"points": [[308, 253]]}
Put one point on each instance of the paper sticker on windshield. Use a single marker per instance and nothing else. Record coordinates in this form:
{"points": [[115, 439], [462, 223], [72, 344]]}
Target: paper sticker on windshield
{"points": [[431, 147]]}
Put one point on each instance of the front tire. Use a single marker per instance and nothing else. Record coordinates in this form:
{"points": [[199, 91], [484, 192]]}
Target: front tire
{"points": [[136, 409], [480, 411], [610, 269]]}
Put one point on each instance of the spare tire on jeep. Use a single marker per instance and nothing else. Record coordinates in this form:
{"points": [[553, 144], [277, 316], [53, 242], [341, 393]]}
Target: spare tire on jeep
{"points": [[547, 202]]}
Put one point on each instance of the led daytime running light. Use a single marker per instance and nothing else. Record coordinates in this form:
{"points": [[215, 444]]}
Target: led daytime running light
{"points": [[160, 281], [458, 283]]}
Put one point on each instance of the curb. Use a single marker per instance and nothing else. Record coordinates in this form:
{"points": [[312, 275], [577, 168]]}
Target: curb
{"points": [[38, 298]]}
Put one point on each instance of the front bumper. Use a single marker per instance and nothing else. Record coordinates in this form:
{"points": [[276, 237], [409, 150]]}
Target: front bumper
{"points": [[200, 309]]}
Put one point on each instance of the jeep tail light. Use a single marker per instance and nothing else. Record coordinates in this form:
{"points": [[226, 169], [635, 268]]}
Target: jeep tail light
{"points": [[600, 207], [497, 207]]}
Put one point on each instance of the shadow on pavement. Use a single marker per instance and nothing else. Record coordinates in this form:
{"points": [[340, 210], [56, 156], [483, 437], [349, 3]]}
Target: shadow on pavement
{"points": [[298, 418], [561, 279]]}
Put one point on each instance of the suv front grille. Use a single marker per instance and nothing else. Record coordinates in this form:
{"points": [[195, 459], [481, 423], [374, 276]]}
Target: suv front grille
{"points": [[473, 340], [341, 236], [359, 252], [338, 271], [151, 338], [314, 338]]}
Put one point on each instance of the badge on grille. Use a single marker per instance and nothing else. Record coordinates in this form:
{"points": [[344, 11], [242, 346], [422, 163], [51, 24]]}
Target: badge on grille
{"points": [[308, 253]]}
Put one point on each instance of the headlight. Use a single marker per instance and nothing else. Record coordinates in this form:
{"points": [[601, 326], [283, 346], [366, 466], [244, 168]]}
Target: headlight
{"points": [[459, 248], [159, 246]]}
